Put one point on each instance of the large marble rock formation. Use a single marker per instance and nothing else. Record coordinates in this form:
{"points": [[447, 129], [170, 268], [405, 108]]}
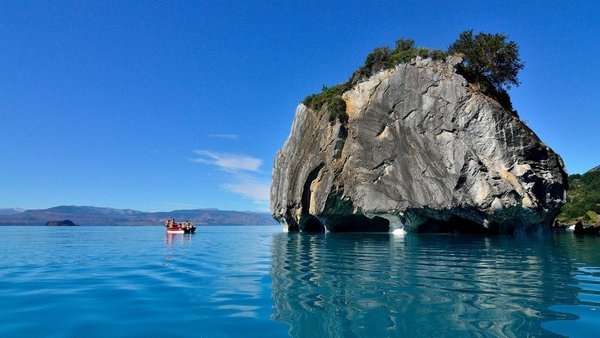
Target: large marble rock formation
{"points": [[421, 151]]}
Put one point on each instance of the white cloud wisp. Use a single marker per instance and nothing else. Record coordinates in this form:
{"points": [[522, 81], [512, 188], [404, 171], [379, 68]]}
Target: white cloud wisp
{"points": [[228, 162], [243, 174], [258, 192], [233, 137]]}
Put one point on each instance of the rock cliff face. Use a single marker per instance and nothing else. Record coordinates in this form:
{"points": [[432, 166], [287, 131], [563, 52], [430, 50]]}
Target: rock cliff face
{"points": [[420, 151]]}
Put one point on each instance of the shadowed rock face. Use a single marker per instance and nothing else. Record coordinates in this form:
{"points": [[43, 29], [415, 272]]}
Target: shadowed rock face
{"points": [[420, 151]]}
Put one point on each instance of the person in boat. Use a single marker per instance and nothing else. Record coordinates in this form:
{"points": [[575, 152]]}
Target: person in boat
{"points": [[166, 223]]}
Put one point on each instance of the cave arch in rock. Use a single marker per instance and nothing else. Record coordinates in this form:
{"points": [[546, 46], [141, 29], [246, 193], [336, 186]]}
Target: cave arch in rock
{"points": [[455, 224], [357, 223], [308, 222]]}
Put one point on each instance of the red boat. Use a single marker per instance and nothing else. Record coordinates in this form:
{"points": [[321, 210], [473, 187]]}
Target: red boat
{"points": [[175, 230], [179, 228]]}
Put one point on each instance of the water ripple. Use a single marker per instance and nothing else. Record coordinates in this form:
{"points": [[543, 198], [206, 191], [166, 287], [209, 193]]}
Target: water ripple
{"points": [[341, 285], [587, 310], [258, 282], [137, 282]]}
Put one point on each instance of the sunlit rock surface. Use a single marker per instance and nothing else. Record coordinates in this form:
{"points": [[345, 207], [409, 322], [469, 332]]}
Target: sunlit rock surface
{"points": [[421, 151]]}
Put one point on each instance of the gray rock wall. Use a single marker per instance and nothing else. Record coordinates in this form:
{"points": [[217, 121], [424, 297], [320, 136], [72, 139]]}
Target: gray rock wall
{"points": [[421, 151]]}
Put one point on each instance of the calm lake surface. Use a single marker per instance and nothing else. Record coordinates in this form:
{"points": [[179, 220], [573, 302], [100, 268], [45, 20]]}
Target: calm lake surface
{"points": [[259, 282]]}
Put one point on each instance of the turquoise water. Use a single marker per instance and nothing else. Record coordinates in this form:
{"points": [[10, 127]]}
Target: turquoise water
{"points": [[259, 282]]}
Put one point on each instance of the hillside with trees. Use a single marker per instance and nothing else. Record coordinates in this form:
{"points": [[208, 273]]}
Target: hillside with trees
{"points": [[583, 201]]}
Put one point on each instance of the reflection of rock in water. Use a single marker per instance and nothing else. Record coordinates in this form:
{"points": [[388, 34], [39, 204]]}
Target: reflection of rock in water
{"points": [[379, 285]]}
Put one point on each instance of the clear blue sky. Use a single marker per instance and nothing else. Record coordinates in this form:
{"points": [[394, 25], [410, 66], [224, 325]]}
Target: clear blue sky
{"points": [[183, 104]]}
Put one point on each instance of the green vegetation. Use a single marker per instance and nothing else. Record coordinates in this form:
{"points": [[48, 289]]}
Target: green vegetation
{"points": [[489, 61], [332, 97], [381, 58], [590, 217], [583, 200], [385, 58]]}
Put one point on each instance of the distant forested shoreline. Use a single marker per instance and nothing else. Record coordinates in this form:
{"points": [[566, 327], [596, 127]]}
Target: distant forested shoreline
{"points": [[583, 198]]}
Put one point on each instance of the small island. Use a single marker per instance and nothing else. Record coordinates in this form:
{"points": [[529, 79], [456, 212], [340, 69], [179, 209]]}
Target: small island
{"points": [[61, 223], [419, 140]]}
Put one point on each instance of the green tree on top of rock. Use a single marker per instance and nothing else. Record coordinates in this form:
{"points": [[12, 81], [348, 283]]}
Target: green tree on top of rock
{"points": [[379, 59], [385, 58], [491, 64], [491, 61]]}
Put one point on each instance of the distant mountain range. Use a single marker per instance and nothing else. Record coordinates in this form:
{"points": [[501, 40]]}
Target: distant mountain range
{"points": [[10, 211], [594, 169], [84, 215]]}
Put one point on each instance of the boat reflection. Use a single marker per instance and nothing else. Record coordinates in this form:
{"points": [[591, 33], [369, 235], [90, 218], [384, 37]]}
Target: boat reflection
{"points": [[171, 238], [381, 285]]}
